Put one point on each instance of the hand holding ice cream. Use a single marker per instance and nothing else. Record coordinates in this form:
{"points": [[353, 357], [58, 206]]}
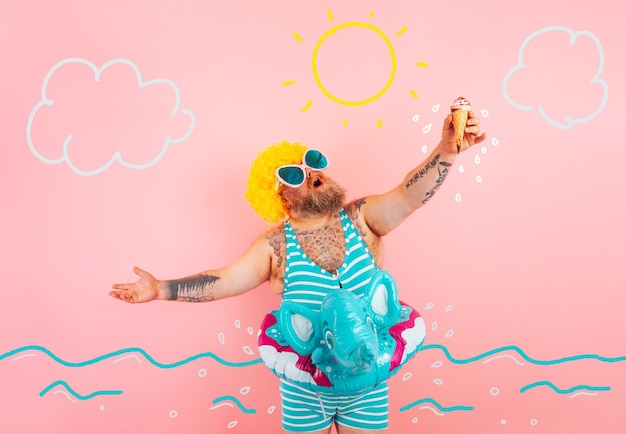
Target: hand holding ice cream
{"points": [[461, 110]]}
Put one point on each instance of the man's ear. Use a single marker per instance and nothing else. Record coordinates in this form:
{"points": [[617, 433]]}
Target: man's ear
{"points": [[286, 203], [300, 327]]}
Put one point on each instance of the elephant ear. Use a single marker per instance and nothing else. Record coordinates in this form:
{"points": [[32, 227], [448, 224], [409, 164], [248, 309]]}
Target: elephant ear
{"points": [[300, 327], [382, 300]]}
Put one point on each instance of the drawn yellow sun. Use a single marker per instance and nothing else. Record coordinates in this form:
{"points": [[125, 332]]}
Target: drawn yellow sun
{"points": [[372, 95]]}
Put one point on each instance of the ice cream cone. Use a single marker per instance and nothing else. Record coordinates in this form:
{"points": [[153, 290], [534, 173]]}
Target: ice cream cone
{"points": [[459, 120], [460, 111]]}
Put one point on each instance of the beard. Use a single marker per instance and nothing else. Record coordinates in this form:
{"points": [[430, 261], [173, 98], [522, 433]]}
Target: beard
{"points": [[328, 199]]}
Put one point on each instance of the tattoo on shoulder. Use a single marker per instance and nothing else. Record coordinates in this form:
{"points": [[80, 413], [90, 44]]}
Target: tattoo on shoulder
{"points": [[195, 288], [276, 239], [353, 213]]}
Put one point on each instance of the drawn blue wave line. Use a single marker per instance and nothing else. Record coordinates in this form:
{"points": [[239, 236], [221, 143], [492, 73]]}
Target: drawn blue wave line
{"points": [[141, 351], [436, 404], [523, 355], [563, 391], [78, 395], [236, 401]]}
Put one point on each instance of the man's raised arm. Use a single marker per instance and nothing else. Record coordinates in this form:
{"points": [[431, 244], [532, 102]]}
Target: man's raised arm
{"points": [[384, 212]]}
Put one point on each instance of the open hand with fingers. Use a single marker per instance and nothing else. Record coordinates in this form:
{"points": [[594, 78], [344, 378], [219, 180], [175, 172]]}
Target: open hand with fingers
{"points": [[143, 290]]}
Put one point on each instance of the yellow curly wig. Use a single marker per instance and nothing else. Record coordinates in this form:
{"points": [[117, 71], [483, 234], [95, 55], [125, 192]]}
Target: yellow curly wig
{"points": [[261, 192]]}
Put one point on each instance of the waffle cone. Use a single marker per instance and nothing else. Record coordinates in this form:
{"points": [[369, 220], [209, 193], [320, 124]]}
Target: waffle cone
{"points": [[459, 120]]}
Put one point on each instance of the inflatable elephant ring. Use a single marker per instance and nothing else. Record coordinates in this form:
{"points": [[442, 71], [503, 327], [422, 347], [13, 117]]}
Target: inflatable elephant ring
{"points": [[350, 345]]}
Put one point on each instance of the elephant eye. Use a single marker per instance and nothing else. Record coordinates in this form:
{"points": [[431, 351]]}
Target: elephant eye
{"points": [[330, 339]]}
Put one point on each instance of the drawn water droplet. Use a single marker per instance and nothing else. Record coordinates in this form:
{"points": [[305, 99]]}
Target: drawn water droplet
{"points": [[458, 197], [437, 364], [407, 376], [434, 325], [102, 408], [479, 179], [436, 108], [244, 390], [477, 159], [248, 350], [438, 381], [533, 422], [430, 305], [250, 330], [232, 424], [271, 409], [415, 118], [484, 113], [414, 420], [427, 128], [202, 373], [483, 150], [461, 169], [424, 149], [173, 413], [503, 421], [495, 142], [449, 308], [449, 333], [237, 324], [494, 391], [220, 337]]}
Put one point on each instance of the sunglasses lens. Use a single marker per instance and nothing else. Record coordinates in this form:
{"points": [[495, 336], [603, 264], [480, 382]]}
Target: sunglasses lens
{"points": [[291, 175], [315, 159]]}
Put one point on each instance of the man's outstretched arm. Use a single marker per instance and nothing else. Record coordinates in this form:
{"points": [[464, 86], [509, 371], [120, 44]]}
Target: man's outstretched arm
{"points": [[248, 272]]}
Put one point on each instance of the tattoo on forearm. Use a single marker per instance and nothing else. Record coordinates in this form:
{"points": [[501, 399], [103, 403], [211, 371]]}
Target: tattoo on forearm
{"points": [[442, 176], [423, 171], [442, 169], [195, 288]]}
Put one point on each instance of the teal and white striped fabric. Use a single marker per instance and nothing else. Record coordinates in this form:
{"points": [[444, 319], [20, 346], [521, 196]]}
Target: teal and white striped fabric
{"points": [[307, 283]]}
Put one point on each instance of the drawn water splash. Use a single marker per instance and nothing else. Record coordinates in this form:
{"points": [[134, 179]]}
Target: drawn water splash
{"points": [[138, 350], [563, 391], [436, 404], [77, 395]]}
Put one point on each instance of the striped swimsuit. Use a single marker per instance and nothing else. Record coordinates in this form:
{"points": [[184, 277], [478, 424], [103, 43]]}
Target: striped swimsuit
{"points": [[307, 283]]}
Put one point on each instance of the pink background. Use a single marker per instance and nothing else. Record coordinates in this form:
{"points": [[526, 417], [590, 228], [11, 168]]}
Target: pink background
{"points": [[128, 129]]}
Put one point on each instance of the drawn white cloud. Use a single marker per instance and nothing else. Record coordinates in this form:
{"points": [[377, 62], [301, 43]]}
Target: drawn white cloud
{"points": [[62, 154], [573, 80]]}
